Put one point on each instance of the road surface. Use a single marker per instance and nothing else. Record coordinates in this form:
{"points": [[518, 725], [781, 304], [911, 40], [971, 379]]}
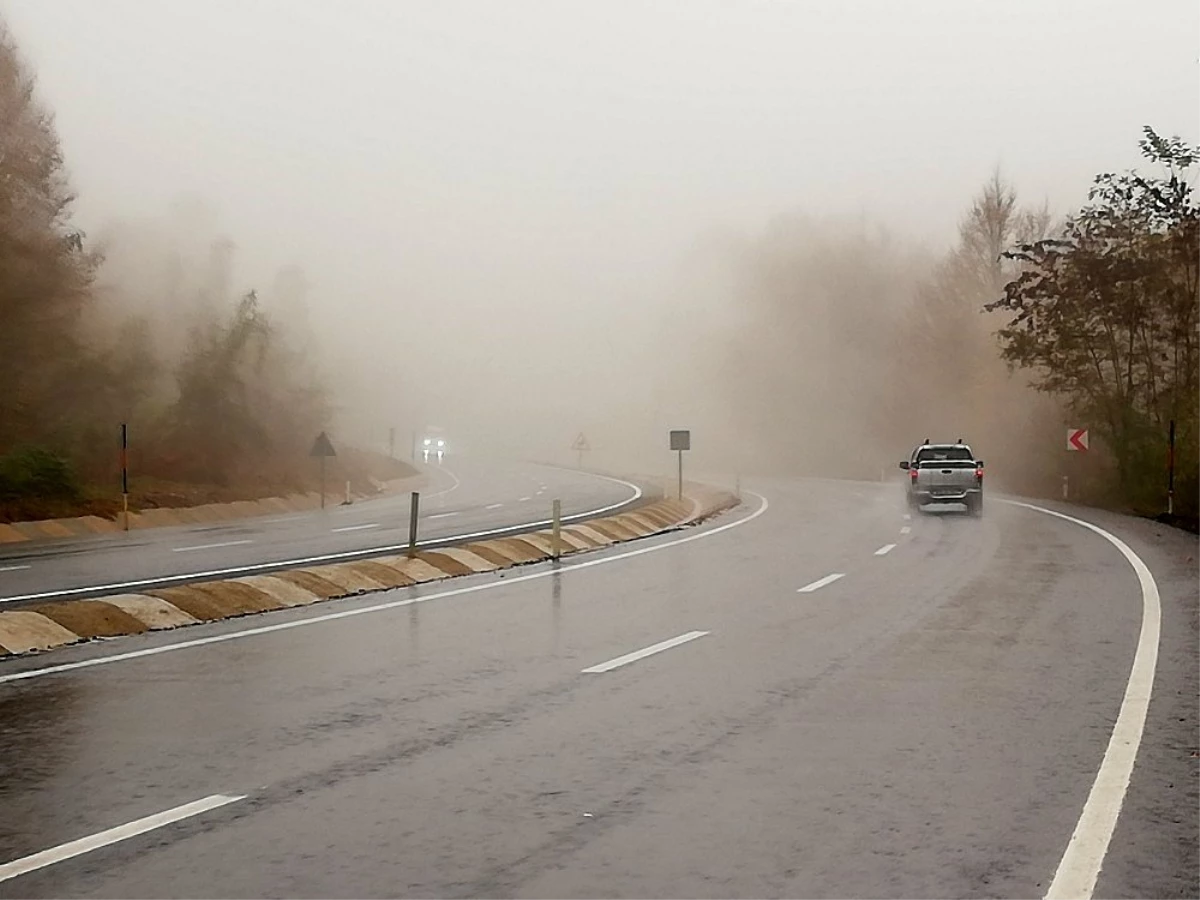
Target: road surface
{"points": [[816, 697], [465, 496]]}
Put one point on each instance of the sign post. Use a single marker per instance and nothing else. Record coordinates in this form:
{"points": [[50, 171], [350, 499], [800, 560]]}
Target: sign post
{"points": [[125, 474], [581, 446], [391, 443], [413, 513], [556, 530], [1171, 469], [680, 441], [321, 449], [1077, 442]]}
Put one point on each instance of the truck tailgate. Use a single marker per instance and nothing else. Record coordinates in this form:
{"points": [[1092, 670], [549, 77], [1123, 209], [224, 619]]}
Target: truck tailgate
{"points": [[946, 476]]}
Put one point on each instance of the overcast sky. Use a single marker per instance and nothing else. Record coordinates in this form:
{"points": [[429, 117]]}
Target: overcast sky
{"points": [[475, 172]]}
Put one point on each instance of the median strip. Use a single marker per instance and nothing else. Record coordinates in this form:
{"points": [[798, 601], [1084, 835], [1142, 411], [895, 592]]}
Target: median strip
{"points": [[151, 606]]}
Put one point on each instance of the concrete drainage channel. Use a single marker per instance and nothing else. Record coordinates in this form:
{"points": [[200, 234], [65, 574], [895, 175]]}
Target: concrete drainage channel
{"points": [[46, 626]]}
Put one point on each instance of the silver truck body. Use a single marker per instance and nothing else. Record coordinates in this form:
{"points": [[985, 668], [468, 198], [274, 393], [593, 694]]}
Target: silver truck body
{"points": [[945, 473]]}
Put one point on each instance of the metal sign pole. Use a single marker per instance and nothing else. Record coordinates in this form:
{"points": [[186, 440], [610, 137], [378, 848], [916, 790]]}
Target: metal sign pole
{"points": [[557, 528], [680, 474], [412, 522], [322, 482], [125, 473], [1171, 470]]}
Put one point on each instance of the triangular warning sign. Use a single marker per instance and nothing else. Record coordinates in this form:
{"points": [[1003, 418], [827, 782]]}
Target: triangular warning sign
{"points": [[581, 443], [322, 447]]}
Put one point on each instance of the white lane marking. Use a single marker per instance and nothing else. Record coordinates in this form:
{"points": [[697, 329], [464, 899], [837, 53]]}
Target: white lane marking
{"points": [[112, 835], [122, 586], [906, 529], [643, 653], [442, 516], [453, 487], [908, 517], [357, 527], [820, 583], [210, 546], [524, 499], [494, 506], [1080, 864], [561, 569], [13, 568], [885, 549]]}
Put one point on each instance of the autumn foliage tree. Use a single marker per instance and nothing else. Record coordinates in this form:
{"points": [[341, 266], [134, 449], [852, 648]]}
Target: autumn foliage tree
{"points": [[45, 271], [215, 390], [1104, 316]]}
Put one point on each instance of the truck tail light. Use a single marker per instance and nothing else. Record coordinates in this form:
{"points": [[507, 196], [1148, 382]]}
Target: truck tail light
{"points": [[979, 473], [912, 473]]}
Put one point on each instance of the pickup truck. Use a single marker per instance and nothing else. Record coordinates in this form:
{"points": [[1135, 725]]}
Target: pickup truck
{"points": [[945, 473]]}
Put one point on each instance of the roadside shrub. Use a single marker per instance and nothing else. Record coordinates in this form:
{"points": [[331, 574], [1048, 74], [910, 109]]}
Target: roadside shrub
{"points": [[37, 473]]}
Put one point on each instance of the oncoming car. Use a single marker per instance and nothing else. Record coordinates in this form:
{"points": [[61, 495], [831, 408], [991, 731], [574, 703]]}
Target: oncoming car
{"points": [[433, 445]]}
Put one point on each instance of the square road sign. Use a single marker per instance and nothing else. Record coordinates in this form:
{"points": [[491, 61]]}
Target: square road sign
{"points": [[681, 440]]}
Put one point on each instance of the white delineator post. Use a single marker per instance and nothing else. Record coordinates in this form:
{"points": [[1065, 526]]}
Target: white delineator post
{"points": [[556, 528]]}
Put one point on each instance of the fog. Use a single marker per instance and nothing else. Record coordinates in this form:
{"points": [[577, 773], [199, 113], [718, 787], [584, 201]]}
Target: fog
{"points": [[522, 221]]}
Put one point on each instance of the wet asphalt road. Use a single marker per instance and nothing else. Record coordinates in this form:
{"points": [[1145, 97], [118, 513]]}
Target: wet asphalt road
{"points": [[464, 496], [927, 725]]}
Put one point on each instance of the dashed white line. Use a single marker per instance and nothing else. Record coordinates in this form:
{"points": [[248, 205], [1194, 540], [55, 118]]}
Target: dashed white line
{"points": [[643, 653], [820, 583], [908, 517], [443, 515], [906, 529], [524, 499], [885, 549], [357, 527], [112, 835], [13, 568], [494, 506], [210, 546]]}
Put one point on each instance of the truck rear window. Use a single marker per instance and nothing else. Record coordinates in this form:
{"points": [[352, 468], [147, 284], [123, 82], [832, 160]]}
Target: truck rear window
{"points": [[941, 454]]}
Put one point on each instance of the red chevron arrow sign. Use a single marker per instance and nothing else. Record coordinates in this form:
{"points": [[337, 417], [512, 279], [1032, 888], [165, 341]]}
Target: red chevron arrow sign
{"points": [[1077, 439]]}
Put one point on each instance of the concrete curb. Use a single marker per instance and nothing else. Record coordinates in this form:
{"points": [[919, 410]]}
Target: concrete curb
{"points": [[46, 626]]}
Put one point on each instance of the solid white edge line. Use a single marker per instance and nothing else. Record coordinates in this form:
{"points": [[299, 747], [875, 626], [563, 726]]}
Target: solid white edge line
{"points": [[642, 654], [820, 583], [13, 568], [560, 569], [452, 487], [327, 557], [1081, 862], [112, 835], [211, 546], [885, 549]]}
